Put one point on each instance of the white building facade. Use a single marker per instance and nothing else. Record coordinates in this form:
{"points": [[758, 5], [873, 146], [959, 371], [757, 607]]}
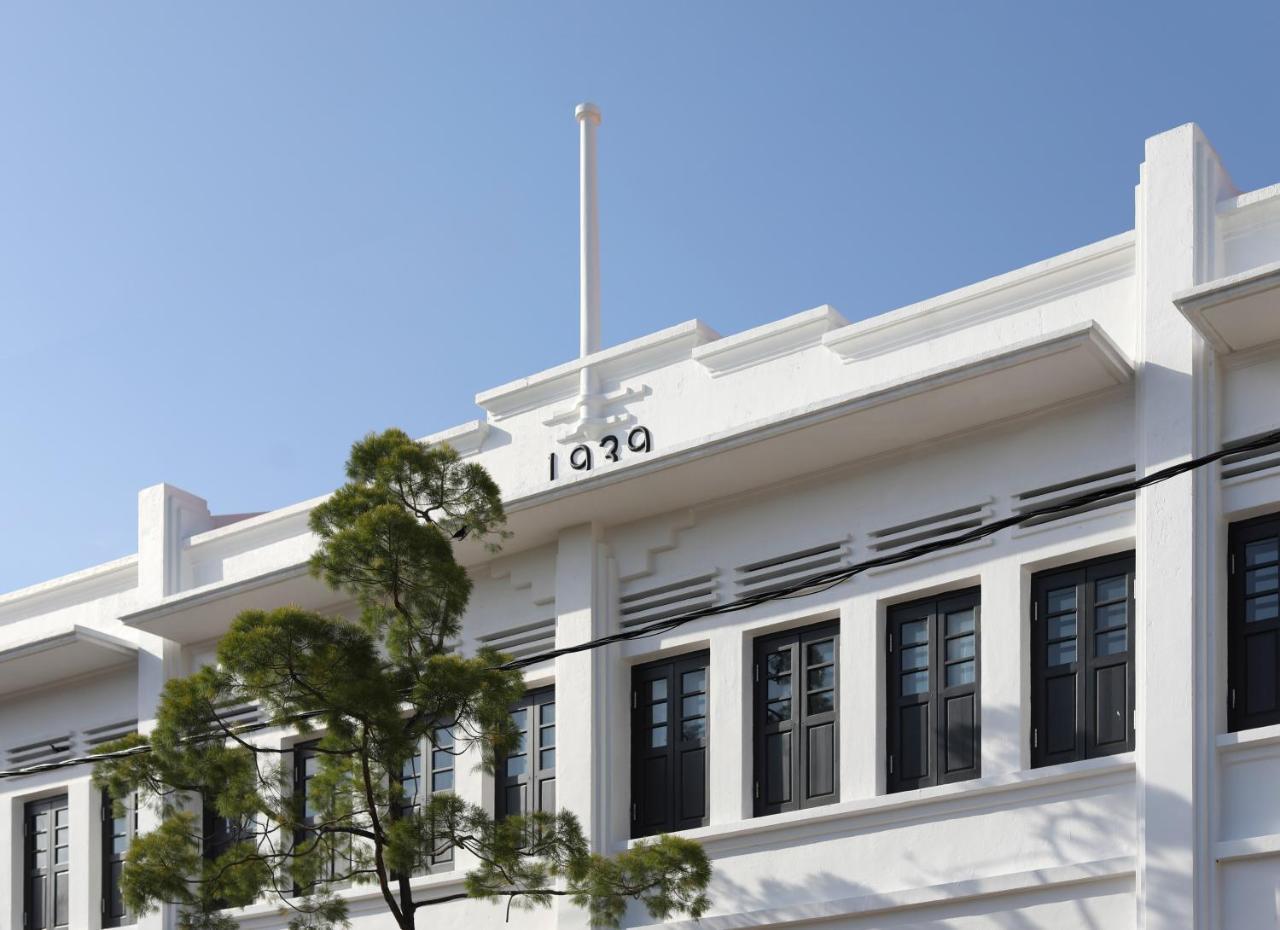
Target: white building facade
{"points": [[1072, 723]]}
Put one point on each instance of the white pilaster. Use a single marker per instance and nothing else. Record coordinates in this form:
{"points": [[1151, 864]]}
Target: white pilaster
{"points": [[1181, 180], [1003, 635], [729, 731]]}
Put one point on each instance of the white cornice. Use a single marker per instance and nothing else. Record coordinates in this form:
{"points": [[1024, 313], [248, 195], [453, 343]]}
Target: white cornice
{"points": [[75, 588], [773, 340], [466, 439], [1236, 312], [630, 358], [60, 655], [1069, 273]]}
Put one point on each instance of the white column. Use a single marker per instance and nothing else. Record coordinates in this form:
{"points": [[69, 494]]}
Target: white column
{"points": [[1005, 659], [580, 710], [86, 841], [862, 698], [1181, 180], [729, 727]]}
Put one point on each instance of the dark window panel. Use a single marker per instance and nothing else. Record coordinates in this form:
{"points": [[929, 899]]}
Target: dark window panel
{"points": [[1253, 623], [524, 772], [669, 745]]}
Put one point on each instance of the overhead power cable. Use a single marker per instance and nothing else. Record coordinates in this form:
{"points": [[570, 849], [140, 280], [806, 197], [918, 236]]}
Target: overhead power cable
{"points": [[811, 584]]}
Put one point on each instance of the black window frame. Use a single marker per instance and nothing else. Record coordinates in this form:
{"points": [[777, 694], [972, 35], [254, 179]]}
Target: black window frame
{"points": [[302, 752], [431, 770], [947, 740], [786, 776], [1047, 631], [653, 804], [52, 871], [1246, 707], [537, 781], [112, 909]]}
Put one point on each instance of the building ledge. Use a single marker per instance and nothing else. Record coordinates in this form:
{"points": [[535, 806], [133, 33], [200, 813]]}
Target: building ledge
{"points": [[202, 613], [1237, 312], [1252, 847], [948, 893], [773, 340], [59, 657]]}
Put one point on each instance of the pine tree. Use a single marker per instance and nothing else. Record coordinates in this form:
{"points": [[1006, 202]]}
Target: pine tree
{"points": [[371, 693]]}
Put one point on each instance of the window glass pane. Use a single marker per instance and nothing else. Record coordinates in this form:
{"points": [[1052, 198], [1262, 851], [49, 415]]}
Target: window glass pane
{"points": [[960, 648], [520, 717], [961, 673], [1062, 627], [821, 652], [441, 759], [917, 631], [1108, 644], [1110, 589], [694, 729], [694, 706], [1264, 550], [1257, 580], [658, 737], [778, 687], [960, 622], [658, 713], [442, 781], [547, 759], [547, 736], [517, 765], [915, 683], [1063, 653], [822, 702], [778, 663], [444, 737], [1266, 607], [658, 690], [778, 711], [1062, 600], [693, 681], [822, 677], [1111, 617], [547, 713], [915, 657]]}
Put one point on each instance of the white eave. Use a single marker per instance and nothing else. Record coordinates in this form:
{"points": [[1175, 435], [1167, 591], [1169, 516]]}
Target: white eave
{"points": [[78, 651], [774, 340], [203, 613], [990, 387], [1238, 312]]}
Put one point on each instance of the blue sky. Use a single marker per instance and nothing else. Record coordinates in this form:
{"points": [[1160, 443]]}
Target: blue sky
{"points": [[236, 236]]}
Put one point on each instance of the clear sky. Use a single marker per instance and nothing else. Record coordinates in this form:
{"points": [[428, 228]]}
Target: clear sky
{"points": [[236, 236]]}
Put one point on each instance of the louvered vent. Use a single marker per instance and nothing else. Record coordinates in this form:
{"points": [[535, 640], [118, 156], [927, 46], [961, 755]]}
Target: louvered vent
{"points": [[1058, 493], [96, 736], [523, 640], [783, 571], [894, 538], [1248, 463], [240, 715], [53, 749], [667, 600]]}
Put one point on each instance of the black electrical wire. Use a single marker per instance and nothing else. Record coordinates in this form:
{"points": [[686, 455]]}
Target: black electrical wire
{"points": [[812, 584]]}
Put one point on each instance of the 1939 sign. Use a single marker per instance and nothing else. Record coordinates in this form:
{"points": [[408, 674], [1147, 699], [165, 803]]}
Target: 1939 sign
{"points": [[582, 456]]}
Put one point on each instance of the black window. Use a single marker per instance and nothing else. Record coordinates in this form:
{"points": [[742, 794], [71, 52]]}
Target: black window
{"points": [[796, 707], [1253, 647], [429, 771], [47, 862], [1082, 696], [527, 775], [934, 692], [337, 847], [669, 745], [118, 829]]}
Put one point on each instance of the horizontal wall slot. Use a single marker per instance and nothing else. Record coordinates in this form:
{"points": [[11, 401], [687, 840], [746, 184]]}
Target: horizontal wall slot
{"points": [[239, 715], [96, 736], [1052, 494], [792, 568], [51, 749], [668, 600], [1251, 462], [526, 639], [893, 538]]}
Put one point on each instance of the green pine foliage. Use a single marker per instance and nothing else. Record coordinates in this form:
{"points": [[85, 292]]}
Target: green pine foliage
{"points": [[371, 692]]}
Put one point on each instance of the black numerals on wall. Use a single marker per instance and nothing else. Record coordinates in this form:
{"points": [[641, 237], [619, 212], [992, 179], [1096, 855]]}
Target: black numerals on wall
{"points": [[585, 456]]}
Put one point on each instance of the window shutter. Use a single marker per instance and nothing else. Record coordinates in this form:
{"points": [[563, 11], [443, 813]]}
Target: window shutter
{"points": [[933, 686], [526, 779], [1254, 624], [669, 774]]}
